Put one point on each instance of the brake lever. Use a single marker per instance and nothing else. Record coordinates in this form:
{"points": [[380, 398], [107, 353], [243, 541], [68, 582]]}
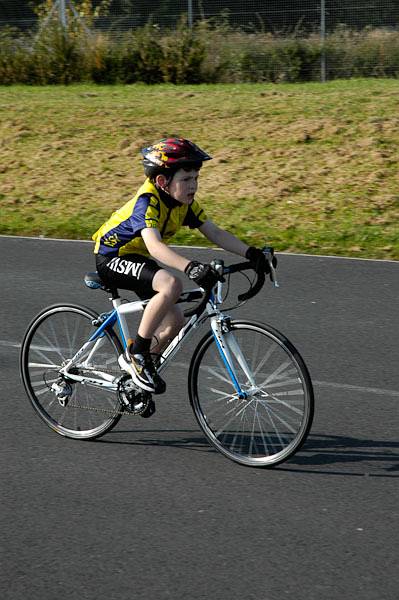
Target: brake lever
{"points": [[268, 252], [218, 266], [273, 274]]}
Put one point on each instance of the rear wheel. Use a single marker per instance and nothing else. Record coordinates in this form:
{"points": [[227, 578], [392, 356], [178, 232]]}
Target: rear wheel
{"points": [[271, 419], [73, 409]]}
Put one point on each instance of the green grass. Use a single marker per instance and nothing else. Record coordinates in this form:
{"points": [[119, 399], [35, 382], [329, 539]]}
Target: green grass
{"points": [[304, 167]]}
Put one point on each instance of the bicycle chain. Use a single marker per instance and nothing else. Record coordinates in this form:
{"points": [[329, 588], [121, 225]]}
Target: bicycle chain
{"points": [[100, 410], [105, 411]]}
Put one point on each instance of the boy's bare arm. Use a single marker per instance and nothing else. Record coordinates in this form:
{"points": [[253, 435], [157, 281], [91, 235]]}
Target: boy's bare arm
{"points": [[222, 238], [162, 252]]}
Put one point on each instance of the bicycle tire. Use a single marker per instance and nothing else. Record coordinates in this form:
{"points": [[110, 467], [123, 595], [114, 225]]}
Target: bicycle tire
{"points": [[49, 341], [282, 409]]}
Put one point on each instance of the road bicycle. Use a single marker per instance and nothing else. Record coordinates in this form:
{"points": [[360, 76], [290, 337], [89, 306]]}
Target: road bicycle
{"points": [[249, 388]]}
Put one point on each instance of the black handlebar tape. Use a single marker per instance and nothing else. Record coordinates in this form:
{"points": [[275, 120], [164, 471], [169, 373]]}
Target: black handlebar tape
{"points": [[260, 280], [255, 289]]}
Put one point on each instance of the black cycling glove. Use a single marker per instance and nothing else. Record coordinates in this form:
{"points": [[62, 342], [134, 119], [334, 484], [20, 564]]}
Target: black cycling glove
{"points": [[259, 260], [202, 274]]}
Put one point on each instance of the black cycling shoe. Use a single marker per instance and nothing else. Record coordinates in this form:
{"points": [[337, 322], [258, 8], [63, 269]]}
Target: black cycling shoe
{"points": [[146, 375]]}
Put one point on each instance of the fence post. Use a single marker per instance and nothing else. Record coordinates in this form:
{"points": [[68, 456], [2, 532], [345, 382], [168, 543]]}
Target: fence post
{"points": [[323, 40], [190, 13], [62, 13]]}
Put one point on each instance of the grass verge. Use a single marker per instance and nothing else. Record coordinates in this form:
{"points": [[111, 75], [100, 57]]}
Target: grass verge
{"points": [[304, 167]]}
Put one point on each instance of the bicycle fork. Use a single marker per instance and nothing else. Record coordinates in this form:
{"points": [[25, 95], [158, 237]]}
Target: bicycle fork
{"points": [[228, 348]]}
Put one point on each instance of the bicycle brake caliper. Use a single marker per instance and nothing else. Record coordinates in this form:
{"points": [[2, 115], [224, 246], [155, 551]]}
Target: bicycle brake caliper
{"points": [[225, 324], [101, 318]]}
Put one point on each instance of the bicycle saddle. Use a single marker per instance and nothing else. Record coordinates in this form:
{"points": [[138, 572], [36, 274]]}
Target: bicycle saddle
{"points": [[94, 281]]}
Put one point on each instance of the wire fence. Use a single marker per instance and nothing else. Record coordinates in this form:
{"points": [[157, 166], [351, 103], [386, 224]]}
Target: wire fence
{"points": [[341, 38], [274, 16]]}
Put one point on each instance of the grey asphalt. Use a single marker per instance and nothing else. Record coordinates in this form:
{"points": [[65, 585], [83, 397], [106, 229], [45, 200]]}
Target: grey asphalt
{"points": [[150, 511]]}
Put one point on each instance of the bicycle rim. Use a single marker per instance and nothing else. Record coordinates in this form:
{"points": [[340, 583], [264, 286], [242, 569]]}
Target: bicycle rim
{"points": [[272, 422], [51, 340]]}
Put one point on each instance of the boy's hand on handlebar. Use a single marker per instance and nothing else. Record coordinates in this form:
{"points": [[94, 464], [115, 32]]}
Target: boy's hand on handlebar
{"points": [[259, 260], [202, 274]]}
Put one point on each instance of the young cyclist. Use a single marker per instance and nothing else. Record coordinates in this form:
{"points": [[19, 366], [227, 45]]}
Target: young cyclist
{"points": [[130, 244]]}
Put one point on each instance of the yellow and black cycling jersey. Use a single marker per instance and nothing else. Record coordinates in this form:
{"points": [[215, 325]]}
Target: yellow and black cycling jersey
{"points": [[150, 207]]}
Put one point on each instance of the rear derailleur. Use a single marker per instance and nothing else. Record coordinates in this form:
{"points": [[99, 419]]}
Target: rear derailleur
{"points": [[133, 400], [61, 388]]}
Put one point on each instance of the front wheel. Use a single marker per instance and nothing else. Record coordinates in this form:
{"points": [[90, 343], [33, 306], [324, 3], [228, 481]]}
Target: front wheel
{"points": [[267, 420], [74, 409]]}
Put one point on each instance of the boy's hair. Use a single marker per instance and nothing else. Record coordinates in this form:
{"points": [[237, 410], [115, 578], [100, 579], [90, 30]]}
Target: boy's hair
{"points": [[171, 154], [153, 172]]}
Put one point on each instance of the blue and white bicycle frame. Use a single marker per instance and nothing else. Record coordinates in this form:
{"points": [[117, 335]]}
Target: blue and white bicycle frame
{"points": [[248, 386], [224, 338]]}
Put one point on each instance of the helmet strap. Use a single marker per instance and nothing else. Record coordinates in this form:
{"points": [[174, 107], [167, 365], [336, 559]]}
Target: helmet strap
{"points": [[165, 187]]}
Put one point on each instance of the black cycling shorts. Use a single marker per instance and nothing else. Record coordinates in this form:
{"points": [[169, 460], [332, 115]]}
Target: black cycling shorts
{"points": [[129, 272]]}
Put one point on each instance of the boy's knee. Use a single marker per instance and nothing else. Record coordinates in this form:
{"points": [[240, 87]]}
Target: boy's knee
{"points": [[169, 285]]}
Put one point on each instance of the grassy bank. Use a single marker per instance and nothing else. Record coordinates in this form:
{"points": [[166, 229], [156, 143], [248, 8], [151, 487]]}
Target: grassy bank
{"points": [[310, 167]]}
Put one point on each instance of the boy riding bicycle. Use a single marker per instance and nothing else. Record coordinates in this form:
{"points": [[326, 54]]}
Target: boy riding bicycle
{"points": [[136, 236]]}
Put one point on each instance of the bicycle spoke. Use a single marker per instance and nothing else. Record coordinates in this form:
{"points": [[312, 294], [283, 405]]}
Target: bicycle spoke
{"points": [[213, 371], [49, 366], [273, 376], [56, 346], [265, 359], [222, 395], [44, 356], [285, 404], [41, 391]]}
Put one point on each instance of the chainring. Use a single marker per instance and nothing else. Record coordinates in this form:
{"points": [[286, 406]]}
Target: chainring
{"points": [[134, 400]]}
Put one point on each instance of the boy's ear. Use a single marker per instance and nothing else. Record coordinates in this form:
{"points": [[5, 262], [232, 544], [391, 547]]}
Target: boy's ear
{"points": [[161, 180]]}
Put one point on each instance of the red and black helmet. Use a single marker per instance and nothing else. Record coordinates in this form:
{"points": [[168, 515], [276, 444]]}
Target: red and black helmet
{"points": [[171, 154]]}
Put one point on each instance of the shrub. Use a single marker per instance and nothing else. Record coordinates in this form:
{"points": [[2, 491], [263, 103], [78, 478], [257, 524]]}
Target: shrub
{"points": [[13, 56], [142, 55], [367, 53], [105, 60], [183, 52], [58, 56]]}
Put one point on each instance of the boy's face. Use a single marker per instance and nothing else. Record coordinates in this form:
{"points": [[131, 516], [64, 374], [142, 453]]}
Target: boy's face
{"points": [[183, 186]]}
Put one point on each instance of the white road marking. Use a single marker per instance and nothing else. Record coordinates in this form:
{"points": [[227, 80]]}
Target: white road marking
{"points": [[328, 384], [356, 388], [9, 344], [343, 386]]}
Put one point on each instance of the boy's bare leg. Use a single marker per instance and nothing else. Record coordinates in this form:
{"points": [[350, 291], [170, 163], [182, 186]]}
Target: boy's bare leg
{"points": [[161, 313], [169, 327]]}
